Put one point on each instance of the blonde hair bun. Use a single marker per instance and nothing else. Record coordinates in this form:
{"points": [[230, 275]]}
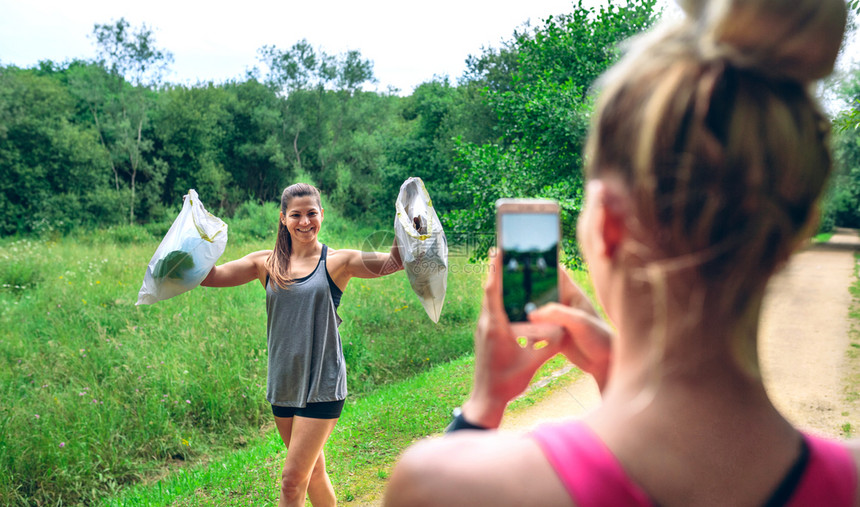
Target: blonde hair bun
{"points": [[796, 39]]}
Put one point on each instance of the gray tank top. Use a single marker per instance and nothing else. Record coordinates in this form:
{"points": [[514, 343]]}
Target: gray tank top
{"points": [[306, 363]]}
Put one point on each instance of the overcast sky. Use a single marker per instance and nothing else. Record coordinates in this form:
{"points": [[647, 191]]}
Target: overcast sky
{"points": [[409, 42]]}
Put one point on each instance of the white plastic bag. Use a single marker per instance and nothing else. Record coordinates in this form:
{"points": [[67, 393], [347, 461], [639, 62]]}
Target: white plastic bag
{"points": [[423, 246], [187, 253]]}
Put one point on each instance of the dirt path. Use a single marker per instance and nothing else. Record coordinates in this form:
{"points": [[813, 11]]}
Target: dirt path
{"points": [[803, 344]]}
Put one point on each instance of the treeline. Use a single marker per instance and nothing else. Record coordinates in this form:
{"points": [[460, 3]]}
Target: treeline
{"points": [[842, 206], [92, 143]]}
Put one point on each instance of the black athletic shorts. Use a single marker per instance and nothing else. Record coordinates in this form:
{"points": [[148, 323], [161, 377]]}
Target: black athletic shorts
{"points": [[321, 410]]}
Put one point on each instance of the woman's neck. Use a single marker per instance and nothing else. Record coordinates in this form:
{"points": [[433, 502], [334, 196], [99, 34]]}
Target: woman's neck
{"points": [[699, 343], [304, 250]]}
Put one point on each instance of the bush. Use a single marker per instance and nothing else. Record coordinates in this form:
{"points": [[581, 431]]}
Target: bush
{"points": [[128, 234], [254, 222]]}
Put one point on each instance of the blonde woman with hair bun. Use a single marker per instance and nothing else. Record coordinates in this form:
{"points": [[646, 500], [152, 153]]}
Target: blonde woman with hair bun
{"points": [[706, 159]]}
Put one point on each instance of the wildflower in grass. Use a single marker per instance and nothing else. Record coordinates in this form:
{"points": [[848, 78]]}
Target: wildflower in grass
{"points": [[62, 444], [37, 416], [185, 443], [188, 401]]}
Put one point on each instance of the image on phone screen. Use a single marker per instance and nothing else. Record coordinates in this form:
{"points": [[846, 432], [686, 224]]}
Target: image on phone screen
{"points": [[529, 244]]}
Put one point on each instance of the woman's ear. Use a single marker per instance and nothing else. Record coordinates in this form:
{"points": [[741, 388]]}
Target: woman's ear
{"points": [[283, 219], [613, 206]]}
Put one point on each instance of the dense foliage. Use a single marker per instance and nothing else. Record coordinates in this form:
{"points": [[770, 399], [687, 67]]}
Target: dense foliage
{"points": [[543, 111], [93, 143], [842, 204], [842, 207]]}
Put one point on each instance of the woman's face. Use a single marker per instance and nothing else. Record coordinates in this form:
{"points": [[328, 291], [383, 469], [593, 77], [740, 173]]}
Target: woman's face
{"points": [[303, 219]]}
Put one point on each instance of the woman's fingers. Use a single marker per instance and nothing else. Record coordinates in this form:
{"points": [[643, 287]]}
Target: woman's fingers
{"points": [[590, 333], [589, 339], [493, 286], [572, 295], [543, 349]]}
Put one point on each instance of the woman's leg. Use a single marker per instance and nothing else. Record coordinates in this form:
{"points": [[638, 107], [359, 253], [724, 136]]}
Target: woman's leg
{"points": [[320, 490], [305, 438]]}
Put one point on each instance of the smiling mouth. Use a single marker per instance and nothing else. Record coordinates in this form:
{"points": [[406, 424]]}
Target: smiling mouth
{"points": [[305, 230]]}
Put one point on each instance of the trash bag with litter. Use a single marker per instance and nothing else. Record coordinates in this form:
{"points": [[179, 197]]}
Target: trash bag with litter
{"points": [[187, 253], [423, 246]]}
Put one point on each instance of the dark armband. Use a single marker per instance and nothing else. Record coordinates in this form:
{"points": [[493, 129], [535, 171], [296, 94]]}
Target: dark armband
{"points": [[460, 423]]}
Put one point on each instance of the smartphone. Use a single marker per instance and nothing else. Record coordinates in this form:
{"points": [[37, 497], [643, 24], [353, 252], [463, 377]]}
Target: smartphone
{"points": [[528, 234]]}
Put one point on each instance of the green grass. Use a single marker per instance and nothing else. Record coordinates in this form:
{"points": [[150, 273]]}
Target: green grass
{"points": [[852, 388], [369, 437], [100, 395], [824, 237]]}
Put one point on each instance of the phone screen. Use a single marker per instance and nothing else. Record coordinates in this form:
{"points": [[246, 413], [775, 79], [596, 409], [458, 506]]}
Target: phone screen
{"points": [[529, 244]]}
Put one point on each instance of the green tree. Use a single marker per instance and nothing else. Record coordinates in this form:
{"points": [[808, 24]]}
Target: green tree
{"points": [[331, 128], [189, 128], [119, 99], [543, 116], [850, 118], [432, 121], [842, 205], [253, 149], [52, 174]]}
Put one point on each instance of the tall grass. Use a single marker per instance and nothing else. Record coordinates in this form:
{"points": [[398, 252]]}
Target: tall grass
{"points": [[99, 393]]}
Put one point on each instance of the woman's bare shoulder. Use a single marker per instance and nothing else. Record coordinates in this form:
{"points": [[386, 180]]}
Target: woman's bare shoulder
{"points": [[258, 259], [259, 254], [475, 468], [334, 253]]}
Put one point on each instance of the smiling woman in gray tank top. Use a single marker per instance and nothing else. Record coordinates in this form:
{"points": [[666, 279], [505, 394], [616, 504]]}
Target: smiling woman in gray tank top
{"points": [[306, 383]]}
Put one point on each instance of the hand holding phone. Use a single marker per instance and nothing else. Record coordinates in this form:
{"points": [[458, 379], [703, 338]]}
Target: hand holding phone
{"points": [[528, 234]]}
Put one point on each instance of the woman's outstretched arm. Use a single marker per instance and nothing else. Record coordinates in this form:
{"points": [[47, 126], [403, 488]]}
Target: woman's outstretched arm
{"points": [[357, 264], [239, 271]]}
